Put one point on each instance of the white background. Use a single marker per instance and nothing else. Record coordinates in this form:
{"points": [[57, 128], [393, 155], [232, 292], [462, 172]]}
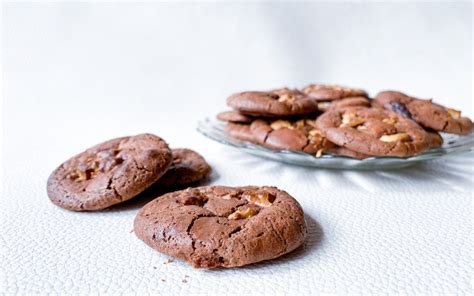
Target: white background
{"points": [[77, 74]]}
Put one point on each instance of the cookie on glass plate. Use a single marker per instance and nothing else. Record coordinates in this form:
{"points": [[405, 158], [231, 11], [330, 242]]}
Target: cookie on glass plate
{"points": [[234, 116], [240, 132], [276, 103], [327, 92], [343, 151], [425, 112], [348, 102], [373, 131], [435, 139], [281, 134]]}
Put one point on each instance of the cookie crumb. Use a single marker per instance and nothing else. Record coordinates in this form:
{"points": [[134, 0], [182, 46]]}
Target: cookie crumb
{"points": [[184, 281], [168, 261]]}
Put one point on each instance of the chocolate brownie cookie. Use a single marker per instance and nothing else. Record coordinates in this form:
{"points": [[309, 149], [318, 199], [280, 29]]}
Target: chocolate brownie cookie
{"points": [[187, 167], [323, 92], [240, 132], [348, 102], [109, 173], [373, 131], [300, 135], [278, 102], [233, 116], [425, 112], [220, 226]]}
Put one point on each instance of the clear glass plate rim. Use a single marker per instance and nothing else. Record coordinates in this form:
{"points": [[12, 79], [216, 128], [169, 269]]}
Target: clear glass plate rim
{"points": [[466, 144]]}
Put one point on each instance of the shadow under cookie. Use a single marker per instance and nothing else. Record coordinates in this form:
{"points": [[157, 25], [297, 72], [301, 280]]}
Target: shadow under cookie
{"points": [[314, 239]]}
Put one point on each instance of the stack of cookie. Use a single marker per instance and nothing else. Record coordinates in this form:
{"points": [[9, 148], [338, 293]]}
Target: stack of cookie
{"points": [[335, 120], [117, 170]]}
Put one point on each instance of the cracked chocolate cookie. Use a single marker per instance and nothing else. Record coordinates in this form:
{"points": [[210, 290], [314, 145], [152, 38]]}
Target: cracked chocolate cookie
{"points": [[425, 112], [373, 131], [300, 135], [233, 116], [220, 226], [187, 167], [348, 102], [279, 102], [109, 173], [240, 132], [325, 92]]}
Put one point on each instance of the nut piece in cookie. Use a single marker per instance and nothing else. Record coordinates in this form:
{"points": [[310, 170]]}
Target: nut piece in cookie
{"points": [[373, 131], [278, 102], [428, 114], [109, 173], [326, 92], [218, 226], [243, 214], [187, 167], [299, 135]]}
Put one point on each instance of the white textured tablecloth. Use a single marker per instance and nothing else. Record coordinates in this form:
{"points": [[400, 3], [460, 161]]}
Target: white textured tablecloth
{"points": [[77, 75]]}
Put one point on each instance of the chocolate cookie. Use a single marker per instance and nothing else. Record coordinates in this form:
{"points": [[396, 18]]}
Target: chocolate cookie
{"points": [[342, 151], [435, 139], [240, 132], [348, 102], [279, 102], [233, 116], [220, 226], [300, 135], [109, 173], [425, 112], [373, 131], [323, 92], [187, 167]]}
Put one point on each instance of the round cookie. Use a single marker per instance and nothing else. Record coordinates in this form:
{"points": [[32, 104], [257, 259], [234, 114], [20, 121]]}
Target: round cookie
{"points": [[220, 226], [425, 112], [240, 132], [326, 92], [187, 167], [109, 173], [233, 116], [348, 102], [373, 131], [299, 135], [278, 102]]}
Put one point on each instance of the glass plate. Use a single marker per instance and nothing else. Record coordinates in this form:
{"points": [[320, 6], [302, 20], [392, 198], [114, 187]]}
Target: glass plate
{"points": [[214, 129]]}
